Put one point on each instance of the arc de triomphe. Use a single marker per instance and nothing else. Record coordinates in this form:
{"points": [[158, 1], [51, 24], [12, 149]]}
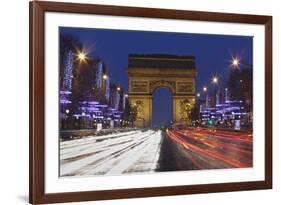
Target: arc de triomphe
{"points": [[146, 73]]}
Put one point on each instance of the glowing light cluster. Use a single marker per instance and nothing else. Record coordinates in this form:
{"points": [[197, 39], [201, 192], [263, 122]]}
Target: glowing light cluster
{"points": [[235, 62], [82, 56]]}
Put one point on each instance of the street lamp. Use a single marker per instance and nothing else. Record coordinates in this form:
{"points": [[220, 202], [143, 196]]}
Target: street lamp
{"points": [[104, 76], [82, 56], [215, 80], [235, 62], [198, 94], [118, 88], [126, 95], [205, 89]]}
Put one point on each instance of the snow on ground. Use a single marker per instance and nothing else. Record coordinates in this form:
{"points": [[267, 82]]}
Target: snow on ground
{"points": [[113, 154]]}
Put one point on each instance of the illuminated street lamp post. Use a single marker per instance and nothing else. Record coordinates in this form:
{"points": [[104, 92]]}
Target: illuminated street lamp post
{"points": [[215, 81], [104, 81], [81, 57], [205, 89]]}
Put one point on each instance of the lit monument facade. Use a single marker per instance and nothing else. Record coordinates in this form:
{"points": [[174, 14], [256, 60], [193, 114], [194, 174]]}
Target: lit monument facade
{"points": [[146, 73]]}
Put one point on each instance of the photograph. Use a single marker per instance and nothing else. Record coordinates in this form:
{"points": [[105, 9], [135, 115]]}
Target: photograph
{"points": [[140, 102]]}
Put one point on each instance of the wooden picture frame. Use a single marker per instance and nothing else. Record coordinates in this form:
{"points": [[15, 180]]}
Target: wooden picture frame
{"points": [[37, 104]]}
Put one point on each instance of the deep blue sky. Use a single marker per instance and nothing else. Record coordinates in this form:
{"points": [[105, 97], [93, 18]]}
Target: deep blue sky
{"points": [[212, 52]]}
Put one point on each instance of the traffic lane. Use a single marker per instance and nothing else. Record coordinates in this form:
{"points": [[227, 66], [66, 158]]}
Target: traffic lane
{"points": [[231, 145], [112, 154], [211, 152]]}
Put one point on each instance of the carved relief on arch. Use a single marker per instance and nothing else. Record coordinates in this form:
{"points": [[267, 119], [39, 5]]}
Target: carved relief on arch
{"points": [[185, 108], [162, 83], [139, 108], [139, 86]]}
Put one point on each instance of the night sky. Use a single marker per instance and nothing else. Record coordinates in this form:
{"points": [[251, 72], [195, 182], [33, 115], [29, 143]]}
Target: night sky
{"points": [[213, 55]]}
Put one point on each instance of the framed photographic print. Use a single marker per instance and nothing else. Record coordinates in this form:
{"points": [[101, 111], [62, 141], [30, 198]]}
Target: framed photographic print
{"points": [[139, 102]]}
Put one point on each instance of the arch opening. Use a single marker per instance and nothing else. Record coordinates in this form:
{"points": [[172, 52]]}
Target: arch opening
{"points": [[162, 107]]}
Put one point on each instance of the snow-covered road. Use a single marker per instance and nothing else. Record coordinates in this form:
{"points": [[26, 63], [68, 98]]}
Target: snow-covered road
{"points": [[127, 152]]}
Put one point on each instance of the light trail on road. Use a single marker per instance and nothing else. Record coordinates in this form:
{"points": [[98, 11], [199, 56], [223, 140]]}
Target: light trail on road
{"points": [[213, 149], [142, 151], [134, 151]]}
